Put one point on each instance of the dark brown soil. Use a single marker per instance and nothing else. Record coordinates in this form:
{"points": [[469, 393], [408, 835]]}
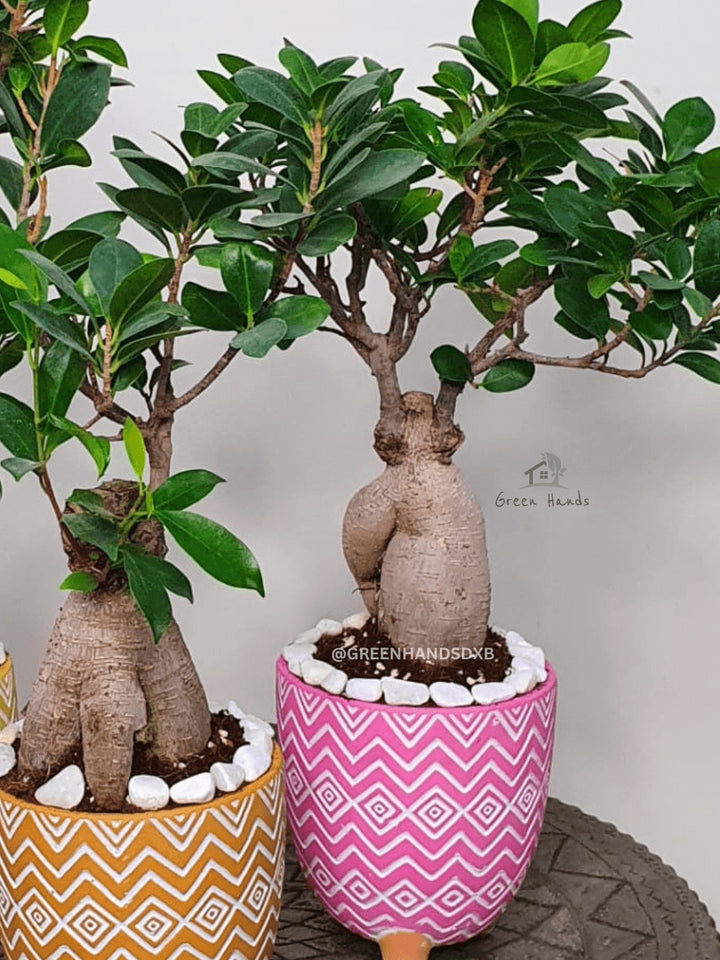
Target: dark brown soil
{"points": [[366, 653], [220, 749]]}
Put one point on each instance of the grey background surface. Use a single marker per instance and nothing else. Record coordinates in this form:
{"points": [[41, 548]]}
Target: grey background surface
{"points": [[622, 594]]}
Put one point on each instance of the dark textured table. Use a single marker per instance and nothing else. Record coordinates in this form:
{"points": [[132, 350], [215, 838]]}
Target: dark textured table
{"points": [[591, 892]]}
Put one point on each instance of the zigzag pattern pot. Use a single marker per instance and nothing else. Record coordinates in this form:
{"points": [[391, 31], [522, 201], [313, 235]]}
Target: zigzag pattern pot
{"points": [[417, 819], [191, 883], [8, 694]]}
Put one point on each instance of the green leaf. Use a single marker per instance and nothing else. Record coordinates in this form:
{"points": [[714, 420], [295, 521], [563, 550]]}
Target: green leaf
{"points": [[203, 203], [224, 88], [327, 235], [706, 261], [212, 309], [216, 550], [378, 172], [508, 375], [708, 168], [572, 210], [247, 273], [61, 19], [184, 489], [210, 122], [97, 447], [57, 276], [701, 364], [572, 63], [155, 568], [302, 69], [90, 502], [484, 256], [76, 105], [11, 181], [17, 428], [58, 325], [588, 25], [234, 163], [148, 592], [96, 531], [528, 10], [134, 447], [506, 38], [11, 354], [70, 249], [678, 258], [107, 223], [18, 468], [61, 372], [301, 314], [110, 262], [162, 209], [601, 283], [272, 90], [80, 582], [685, 126], [260, 339], [148, 172], [574, 297], [138, 288], [652, 323], [700, 304], [655, 281], [70, 153], [104, 47], [451, 364]]}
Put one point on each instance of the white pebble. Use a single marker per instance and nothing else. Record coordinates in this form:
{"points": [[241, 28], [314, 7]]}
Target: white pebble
{"points": [[227, 776], [514, 642], [315, 671], [450, 694], [309, 636], [405, 692], [148, 793], [252, 724], [536, 654], [65, 790], [522, 681], [525, 663], [299, 651], [499, 631], [3, 653], [197, 789], [9, 734], [486, 693], [329, 628], [357, 621], [7, 758], [254, 761], [234, 710], [335, 682], [364, 688], [259, 738]]}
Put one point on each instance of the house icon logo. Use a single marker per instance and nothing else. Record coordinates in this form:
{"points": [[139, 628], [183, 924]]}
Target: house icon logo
{"points": [[546, 473]]}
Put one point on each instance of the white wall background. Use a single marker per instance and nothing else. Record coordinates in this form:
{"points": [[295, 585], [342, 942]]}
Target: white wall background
{"points": [[622, 594]]}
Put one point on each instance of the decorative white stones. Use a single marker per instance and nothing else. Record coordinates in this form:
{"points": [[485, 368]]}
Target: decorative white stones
{"points": [[335, 682], [65, 790], [7, 758], [357, 621], [515, 643], [227, 776], [9, 735], [329, 628], [3, 654], [309, 636], [315, 672], [525, 663], [404, 692], [253, 760], [364, 688], [252, 724], [259, 738], [148, 793], [450, 694], [299, 651], [197, 789], [487, 693], [522, 680]]}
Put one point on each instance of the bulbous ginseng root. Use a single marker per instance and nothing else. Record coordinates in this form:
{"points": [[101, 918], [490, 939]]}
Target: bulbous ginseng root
{"points": [[102, 684], [414, 540]]}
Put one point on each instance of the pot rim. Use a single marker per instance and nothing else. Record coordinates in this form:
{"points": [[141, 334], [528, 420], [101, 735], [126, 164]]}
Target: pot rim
{"points": [[162, 814], [537, 693]]}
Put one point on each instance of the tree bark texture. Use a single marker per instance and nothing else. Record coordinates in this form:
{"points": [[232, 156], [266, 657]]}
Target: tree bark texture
{"points": [[102, 684], [414, 538]]}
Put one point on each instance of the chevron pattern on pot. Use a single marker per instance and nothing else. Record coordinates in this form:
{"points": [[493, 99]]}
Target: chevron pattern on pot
{"points": [[8, 694], [191, 883], [421, 819]]}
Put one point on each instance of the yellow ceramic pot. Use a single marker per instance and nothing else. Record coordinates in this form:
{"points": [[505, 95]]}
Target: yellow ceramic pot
{"points": [[8, 693], [192, 883]]}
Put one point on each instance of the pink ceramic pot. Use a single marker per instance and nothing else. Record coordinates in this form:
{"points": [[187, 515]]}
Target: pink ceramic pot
{"points": [[415, 819]]}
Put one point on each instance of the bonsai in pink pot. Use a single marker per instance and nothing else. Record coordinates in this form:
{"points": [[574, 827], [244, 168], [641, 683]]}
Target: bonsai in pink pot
{"points": [[418, 739]]}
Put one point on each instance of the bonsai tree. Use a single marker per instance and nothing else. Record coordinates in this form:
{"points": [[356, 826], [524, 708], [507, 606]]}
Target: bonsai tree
{"points": [[629, 247], [96, 321]]}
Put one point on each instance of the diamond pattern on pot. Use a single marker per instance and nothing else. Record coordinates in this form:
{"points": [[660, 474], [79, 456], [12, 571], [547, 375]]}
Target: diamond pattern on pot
{"points": [[199, 883], [8, 694], [421, 819]]}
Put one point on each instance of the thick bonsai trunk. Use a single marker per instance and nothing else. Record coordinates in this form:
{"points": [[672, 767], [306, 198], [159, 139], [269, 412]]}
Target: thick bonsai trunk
{"points": [[414, 538], [102, 684]]}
